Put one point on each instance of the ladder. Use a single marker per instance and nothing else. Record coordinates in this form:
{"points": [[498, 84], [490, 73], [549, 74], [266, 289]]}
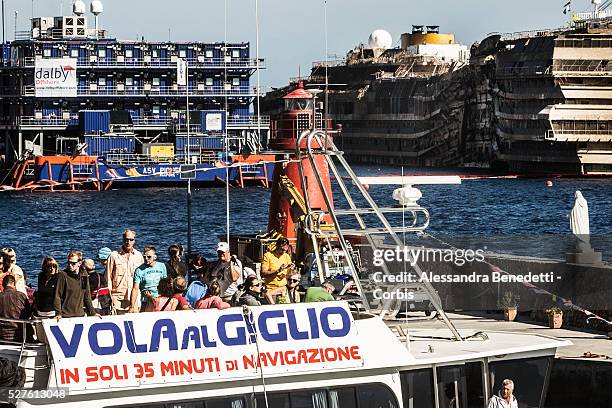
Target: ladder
{"points": [[379, 237]]}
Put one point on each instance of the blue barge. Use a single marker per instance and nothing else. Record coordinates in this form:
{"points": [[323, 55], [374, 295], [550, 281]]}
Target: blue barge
{"points": [[79, 108]]}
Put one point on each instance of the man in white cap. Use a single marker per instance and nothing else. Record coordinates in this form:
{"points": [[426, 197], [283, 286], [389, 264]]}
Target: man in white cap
{"points": [[227, 270]]}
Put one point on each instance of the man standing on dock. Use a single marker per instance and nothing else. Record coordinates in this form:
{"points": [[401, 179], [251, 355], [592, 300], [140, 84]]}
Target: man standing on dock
{"points": [[120, 270], [505, 399]]}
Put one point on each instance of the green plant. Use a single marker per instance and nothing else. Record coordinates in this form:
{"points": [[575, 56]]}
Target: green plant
{"points": [[553, 311], [509, 300]]}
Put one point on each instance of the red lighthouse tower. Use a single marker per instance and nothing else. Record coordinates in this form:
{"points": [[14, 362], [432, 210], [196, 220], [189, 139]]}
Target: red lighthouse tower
{"points": [[287, 201]]}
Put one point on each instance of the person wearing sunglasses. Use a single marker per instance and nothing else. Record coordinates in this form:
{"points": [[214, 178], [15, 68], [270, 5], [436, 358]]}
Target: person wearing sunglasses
{"points": [[252, 292], [146, 279], [120, 268], [72, 293], [288, 293], [15, 270]]}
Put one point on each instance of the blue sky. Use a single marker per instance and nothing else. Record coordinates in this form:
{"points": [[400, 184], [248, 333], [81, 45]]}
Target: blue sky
{"points": [[291, 31]]}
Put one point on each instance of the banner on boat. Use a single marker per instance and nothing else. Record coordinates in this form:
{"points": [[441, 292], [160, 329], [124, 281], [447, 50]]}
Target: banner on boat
{"points": [[55, 77], [201, 345]]}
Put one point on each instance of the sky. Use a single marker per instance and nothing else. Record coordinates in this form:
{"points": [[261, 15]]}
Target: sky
{"points": [[292, 33]]}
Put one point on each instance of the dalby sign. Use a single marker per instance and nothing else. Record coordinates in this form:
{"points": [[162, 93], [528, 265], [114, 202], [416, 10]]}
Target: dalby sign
{"points": [[201, 345], [55, 77]]}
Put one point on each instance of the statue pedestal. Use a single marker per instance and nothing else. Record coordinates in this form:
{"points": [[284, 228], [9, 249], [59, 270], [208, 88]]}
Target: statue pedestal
{"points": [[584, 258]]}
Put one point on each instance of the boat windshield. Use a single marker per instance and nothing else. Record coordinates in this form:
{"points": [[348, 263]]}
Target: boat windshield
{"points": [[528, 375]]}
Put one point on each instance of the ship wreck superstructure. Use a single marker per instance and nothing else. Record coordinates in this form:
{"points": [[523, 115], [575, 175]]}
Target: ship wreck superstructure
{"points": [[535, 102]]}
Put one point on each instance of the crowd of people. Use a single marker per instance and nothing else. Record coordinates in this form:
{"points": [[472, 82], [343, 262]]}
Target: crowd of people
{"points": [[129, 281]]}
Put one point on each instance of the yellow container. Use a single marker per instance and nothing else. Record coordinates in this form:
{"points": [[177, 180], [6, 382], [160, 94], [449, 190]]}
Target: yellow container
{"points": [[159, 150], [162, 151], [426, 38]]}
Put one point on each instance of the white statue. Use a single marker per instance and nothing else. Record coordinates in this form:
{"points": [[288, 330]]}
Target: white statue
{"points": [[579, 222]]}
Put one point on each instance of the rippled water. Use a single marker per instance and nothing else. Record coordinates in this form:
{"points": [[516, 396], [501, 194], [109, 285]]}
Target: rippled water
{"points": [[38, 224]]}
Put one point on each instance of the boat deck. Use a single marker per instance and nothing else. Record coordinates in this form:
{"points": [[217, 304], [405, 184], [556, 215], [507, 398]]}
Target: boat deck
{"points": [[582, 340]]}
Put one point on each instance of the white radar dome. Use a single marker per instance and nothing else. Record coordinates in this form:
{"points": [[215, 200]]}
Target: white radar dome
{"points": [[97, 7], [79, 8], [380, 39]]}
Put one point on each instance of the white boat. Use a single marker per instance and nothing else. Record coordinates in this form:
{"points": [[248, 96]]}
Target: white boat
{"points": [[311, 355], [302, 355]]}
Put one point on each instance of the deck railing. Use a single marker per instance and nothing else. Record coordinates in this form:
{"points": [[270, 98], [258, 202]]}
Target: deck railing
{"points": [[144, 160], [140, 91], [148, 62]]}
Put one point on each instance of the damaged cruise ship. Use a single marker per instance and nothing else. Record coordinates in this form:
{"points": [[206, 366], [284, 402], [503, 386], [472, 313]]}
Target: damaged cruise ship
{"points": [[523, 103]]}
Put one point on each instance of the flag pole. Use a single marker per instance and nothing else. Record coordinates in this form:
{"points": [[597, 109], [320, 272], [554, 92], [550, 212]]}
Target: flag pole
{"points": [[189, 197]]}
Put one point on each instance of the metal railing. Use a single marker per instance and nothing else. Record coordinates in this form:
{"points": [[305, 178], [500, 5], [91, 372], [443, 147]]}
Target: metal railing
{"points": [[44, 121], [142, 121], [151, 120], [553, 133], [329, 63], [592, 15], [58, 34], [528, 70], [140, 91], [28, 329], [250, 120], [95, 61], [530, 34], [599, 67], [144, 160]]}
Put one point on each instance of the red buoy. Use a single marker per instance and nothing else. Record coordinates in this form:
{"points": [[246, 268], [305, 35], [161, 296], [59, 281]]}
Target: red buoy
{"points": [[549, 183]]}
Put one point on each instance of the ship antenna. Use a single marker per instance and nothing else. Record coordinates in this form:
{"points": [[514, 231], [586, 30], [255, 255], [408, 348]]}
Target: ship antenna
{"points": [[3, 29], [257, 68], [326, 111], [227, 189]]}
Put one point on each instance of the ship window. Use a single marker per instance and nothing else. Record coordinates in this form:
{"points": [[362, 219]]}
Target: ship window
{"points": [[155, 81], [102, 81], [47, 52], [102, 53], [235, 81], [155, 53], [235, 402], [451, 386], [209, 82], [528, 375], [182, 53], [208, 53], [129, 81], [362, 396], [474, 379], [74, 53], [235, 53], [129, 53]]}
